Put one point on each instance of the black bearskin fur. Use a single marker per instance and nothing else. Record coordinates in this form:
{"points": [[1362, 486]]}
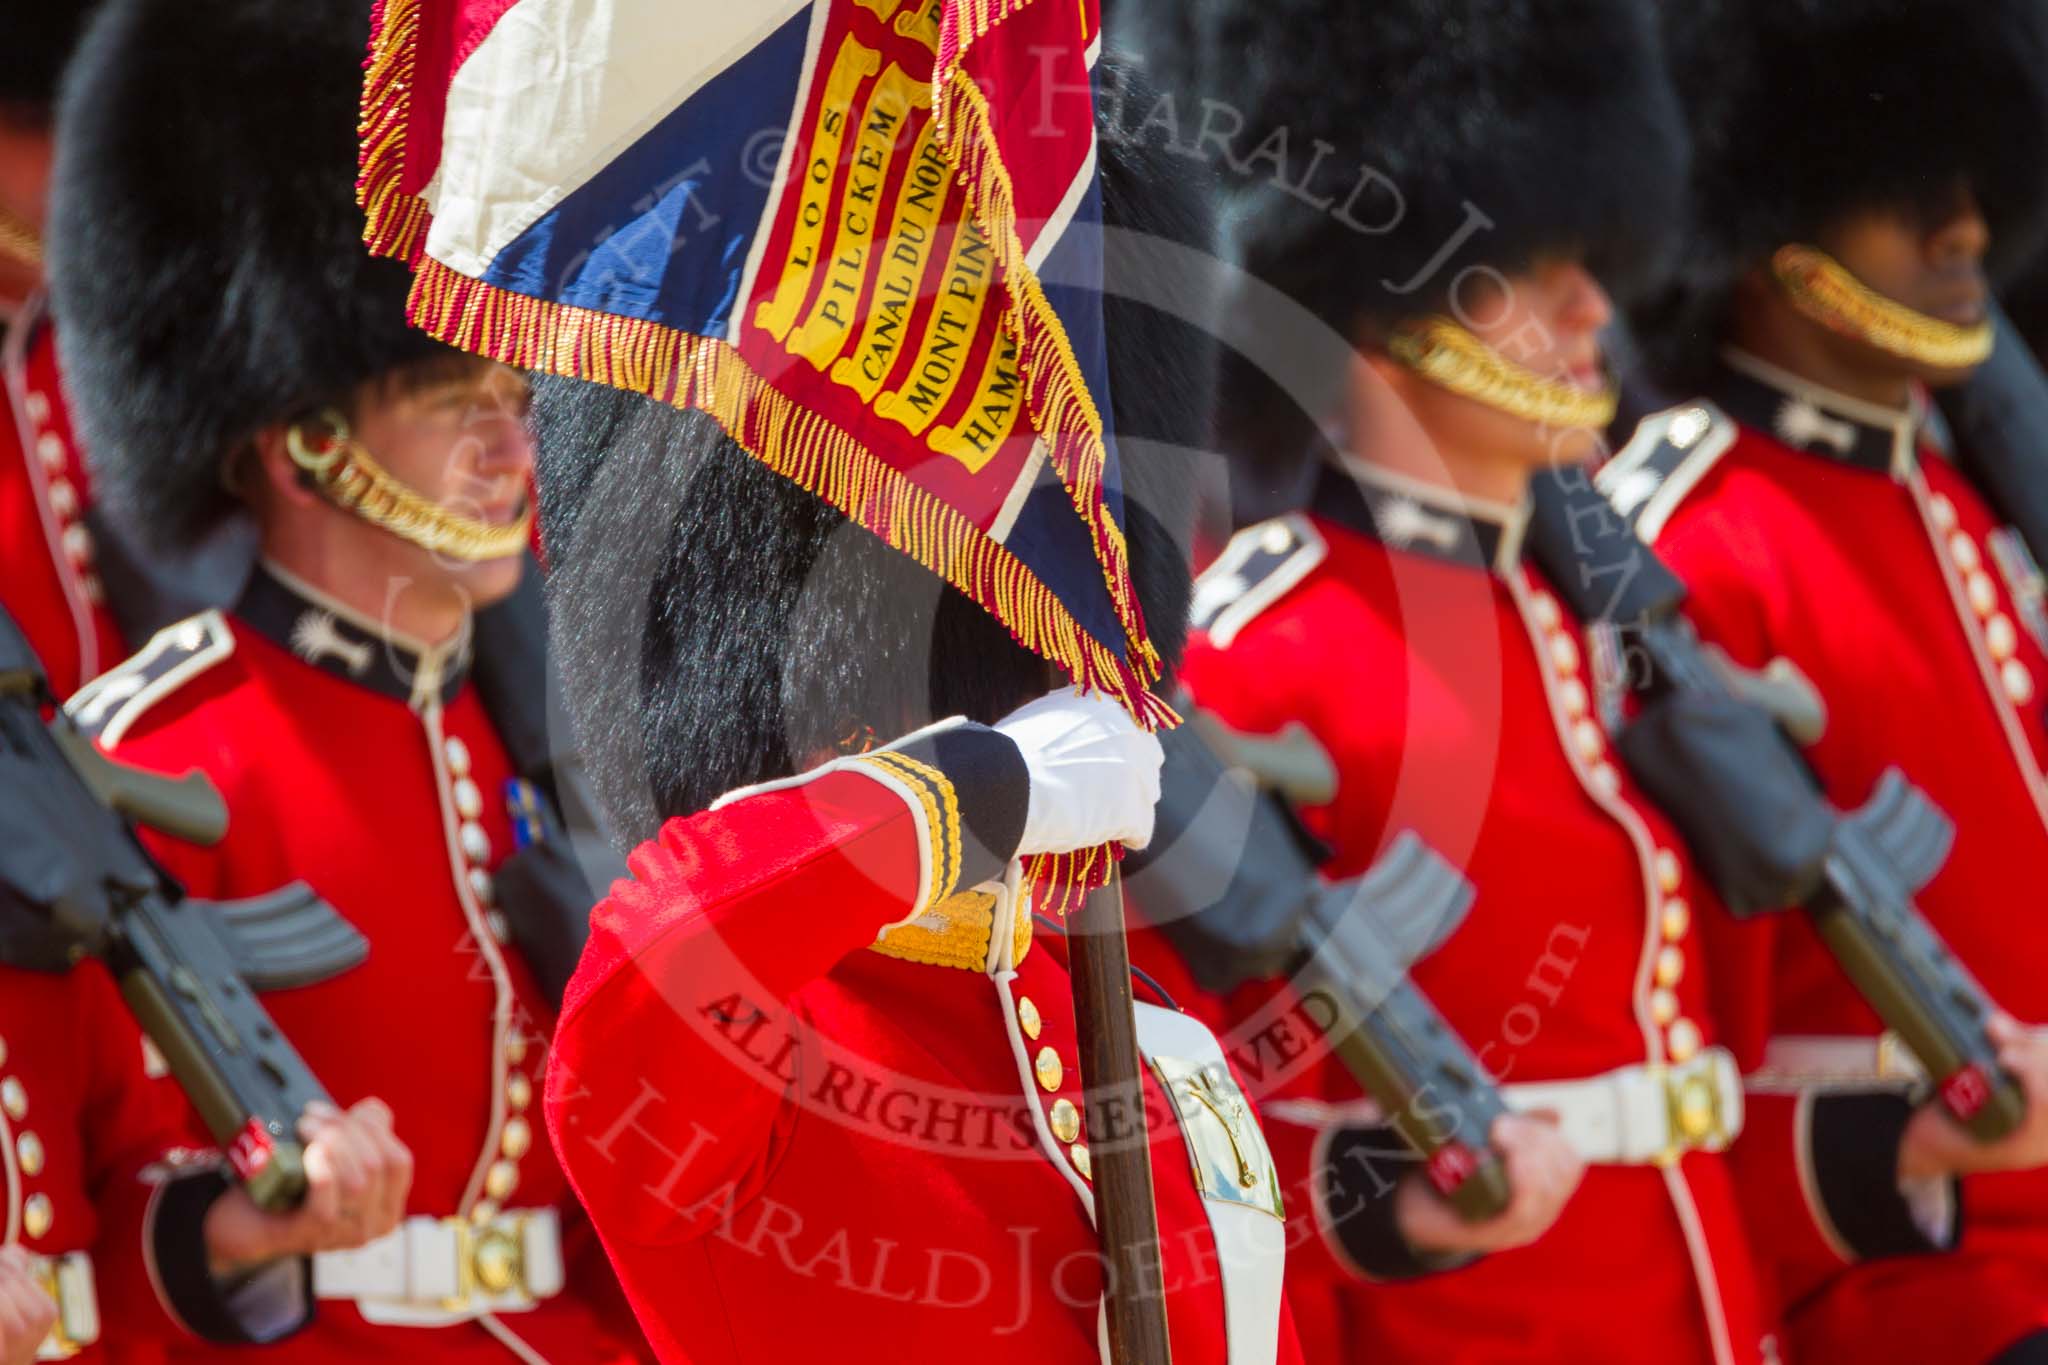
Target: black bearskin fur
{"points": [[720, 626], [1553, 118], [1804, 111], [206, 261], [40, 36]]}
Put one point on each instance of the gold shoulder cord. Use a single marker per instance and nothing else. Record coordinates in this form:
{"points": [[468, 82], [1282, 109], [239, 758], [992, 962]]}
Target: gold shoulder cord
{"points": [[352, 478], [1451, 357], [1823, 289], [19, 240]]}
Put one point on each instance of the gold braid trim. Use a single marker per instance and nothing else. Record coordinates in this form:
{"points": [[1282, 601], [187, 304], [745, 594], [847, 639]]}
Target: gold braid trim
{"points": [[935, 834], [19, 240], [954, 928], [1451, 357], [1823, 289], [942, 806], [957, 935], [353, 480]]}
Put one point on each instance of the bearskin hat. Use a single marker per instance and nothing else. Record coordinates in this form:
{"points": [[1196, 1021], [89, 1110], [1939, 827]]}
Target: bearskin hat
{"points": [[720, 626], [1551, 118], [1804, 111], [1167, 38], [206, 260], [40, 37]]}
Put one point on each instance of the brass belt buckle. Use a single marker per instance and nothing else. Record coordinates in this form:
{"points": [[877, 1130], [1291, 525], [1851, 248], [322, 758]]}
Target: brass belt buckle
{"points": [[1692, 1097], [490, 1257], [59, 1344]]}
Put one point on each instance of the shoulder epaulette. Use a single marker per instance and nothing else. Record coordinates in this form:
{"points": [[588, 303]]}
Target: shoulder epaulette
{"points": [[1255, 570], [1663, 462], [106, 707]]}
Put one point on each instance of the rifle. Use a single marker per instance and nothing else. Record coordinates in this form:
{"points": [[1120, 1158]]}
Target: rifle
{"points": [[75, 881], [1346, 946], [1722, 768]]}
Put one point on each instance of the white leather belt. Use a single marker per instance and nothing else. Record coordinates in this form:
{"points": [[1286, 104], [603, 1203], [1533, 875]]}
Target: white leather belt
{"points": [[430, 1272], [1639, 1115], [68, 1280]]}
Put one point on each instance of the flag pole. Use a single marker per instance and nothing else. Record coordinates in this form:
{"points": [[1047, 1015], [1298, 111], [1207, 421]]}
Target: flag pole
{"points": [[1120, 1155]]}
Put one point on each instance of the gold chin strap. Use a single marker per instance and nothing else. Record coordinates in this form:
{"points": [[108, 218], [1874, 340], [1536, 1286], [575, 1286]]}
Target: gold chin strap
{"points": [[19, 240], [1823, 289], [1447, 355], [354, 480]]}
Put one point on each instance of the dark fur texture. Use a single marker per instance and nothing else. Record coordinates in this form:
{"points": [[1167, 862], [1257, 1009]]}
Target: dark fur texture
{"points": [[1553, 118], [206, 258], [1804, 111], [35, 42], [720, 626]]}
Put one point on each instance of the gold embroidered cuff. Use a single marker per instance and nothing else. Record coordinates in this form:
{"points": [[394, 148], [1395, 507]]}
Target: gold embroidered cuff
{"points": [[942, 816]]}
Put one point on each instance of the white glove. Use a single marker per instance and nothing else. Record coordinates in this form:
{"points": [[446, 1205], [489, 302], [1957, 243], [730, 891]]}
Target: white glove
{"points": [[1094, 772]]}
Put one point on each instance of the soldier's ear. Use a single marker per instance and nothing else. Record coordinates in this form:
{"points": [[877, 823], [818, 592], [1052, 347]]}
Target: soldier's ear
{"points": [[266, 473]]}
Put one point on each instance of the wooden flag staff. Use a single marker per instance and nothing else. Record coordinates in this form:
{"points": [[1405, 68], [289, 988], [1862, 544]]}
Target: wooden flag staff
{"points": [[1120, 1153]]}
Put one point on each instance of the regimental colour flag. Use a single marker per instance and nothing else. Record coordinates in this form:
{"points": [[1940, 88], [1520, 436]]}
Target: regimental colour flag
{"points": [[862, 234]]}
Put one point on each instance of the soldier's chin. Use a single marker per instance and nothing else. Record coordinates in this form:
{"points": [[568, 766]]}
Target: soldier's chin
{"points": [[1564, 447], [492, 580]]}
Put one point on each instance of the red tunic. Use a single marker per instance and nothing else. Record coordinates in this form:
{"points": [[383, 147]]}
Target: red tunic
{"points": [[801, 1141], [47, 582], [90, 1143], [1836, 536], [367, 768], [1456, 697]]}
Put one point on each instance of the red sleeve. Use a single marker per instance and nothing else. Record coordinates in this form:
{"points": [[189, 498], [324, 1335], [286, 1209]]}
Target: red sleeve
{"points": [[727, 917]]}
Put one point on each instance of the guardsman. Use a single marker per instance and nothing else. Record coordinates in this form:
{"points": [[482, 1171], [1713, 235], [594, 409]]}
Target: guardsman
{"points": [[130, 1237], [235, 352], [1862, 169], [49, 580], [817, 1079], [1452, 235]]}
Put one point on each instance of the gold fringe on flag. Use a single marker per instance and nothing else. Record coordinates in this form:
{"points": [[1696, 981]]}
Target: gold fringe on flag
{"points": [[703, 373], [1063, 413], [394, 222], [1059, 882], [966, 22]]}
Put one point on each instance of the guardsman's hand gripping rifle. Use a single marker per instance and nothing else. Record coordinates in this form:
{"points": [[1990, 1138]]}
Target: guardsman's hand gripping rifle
{"points": [[1709, 743], [1230, 879], [75, 882]]}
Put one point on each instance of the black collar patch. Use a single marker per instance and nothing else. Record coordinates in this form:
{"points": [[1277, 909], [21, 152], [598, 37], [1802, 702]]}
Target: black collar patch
{"points": [[336, 639], [1817, 420], [1407, 514]]}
